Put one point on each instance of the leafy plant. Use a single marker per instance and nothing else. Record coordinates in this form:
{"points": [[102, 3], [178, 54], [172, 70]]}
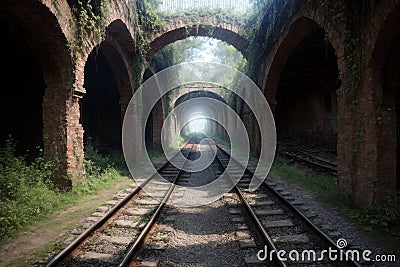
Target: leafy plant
{"points": [[27, 193], [90, 23], [385, 216]]}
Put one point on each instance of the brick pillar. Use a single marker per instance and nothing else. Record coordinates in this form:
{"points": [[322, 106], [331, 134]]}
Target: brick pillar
{"points": [[133, 142], [75, 154], [356, 146], [124, 105], [219, 127], [231, 123], [376, 161], [173, 128], [54, 134], [157, 125], [63, 135], [224, 120], [214, 128]]}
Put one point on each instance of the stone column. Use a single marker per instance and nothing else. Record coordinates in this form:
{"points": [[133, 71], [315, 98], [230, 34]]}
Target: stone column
{"points": [[63, 133], [157, 125]]}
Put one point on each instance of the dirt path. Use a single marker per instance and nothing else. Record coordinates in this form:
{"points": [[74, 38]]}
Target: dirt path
{"points": [[38, 243]]}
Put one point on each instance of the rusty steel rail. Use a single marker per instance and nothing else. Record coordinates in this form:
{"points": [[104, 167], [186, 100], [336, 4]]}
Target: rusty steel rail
{"points": [[315, 229], [253, 217], [313, 160], [135, 247], [88, 232]]}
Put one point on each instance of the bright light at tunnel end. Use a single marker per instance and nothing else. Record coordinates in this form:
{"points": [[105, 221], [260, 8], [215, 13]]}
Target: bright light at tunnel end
{"points": [[197, 124], [137, 113]]}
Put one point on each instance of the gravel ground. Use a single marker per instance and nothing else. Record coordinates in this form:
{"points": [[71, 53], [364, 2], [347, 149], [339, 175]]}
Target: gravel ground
{"points": [[201, 236], [328, 218], [204, 236]]}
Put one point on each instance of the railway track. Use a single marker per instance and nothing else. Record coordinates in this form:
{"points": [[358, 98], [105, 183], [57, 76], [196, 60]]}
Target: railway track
{"points": [[281, 223], [116, 237], [313, 160]]}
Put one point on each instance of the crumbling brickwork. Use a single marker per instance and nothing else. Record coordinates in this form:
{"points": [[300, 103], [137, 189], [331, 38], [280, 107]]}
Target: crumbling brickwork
{"points": [[367, 126]]}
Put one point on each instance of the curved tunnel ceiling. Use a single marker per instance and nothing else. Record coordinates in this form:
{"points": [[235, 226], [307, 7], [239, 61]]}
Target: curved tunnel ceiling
{"points": [[200, 93]]}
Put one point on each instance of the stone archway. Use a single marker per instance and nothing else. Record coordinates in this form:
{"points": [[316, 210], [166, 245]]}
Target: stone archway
{"points": [[49, 46], [228, 32], [381, 81]]}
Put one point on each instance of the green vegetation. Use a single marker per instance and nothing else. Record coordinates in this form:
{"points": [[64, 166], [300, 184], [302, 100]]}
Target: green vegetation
{"points": [[186, 50], [324, 187], [90, 22], [192, 17], [155, 155], [384, 217], [28, 195], [219, 140]]}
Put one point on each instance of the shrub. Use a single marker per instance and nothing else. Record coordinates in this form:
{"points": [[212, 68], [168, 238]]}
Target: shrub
{"points": [[27, 193], [25, 189]]}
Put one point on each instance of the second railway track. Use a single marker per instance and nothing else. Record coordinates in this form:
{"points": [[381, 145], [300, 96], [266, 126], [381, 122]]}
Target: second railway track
{"points": [[281, 223], [278, 220]]}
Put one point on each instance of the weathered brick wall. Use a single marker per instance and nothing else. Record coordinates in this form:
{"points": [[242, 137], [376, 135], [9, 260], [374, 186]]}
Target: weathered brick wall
{"points": [[366, 143], [178, 29], [49, 28], [366, 165], [379, 90], [304, 115], [158, 120]]}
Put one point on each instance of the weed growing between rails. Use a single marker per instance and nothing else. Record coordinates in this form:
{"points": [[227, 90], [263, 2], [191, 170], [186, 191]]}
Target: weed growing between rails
{"points": [[28, 195]]}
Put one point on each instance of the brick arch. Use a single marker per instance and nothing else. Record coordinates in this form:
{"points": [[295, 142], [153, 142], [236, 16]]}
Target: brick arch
{"points": [[47, 37], [210, 92], [380, 80], [382, 28], [120, 32], [191, 88], [157, 116], [118, 48], [203, 93], [117, 18], [210, 27], [296, 31], [48, 41], [119, 36]]}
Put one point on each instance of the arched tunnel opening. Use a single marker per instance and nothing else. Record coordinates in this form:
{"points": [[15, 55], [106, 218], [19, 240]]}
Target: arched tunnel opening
{"points": [[198, 121], [101, 112], [23, 89], [306, 110], [190, 48]]}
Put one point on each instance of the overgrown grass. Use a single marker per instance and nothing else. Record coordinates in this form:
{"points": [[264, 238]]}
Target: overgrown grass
{"points": [[384, 217], [219, 140], [322, 186], [28, 195], [154, 155]]}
